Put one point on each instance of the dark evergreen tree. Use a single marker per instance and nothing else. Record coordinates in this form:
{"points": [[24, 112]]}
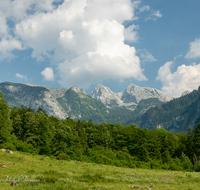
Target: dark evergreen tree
{"points": [[5, 121], [196, 141]]}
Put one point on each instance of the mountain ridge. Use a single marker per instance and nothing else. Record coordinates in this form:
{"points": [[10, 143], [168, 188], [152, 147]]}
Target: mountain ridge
{"points": [[131, 96], [102, 105]]}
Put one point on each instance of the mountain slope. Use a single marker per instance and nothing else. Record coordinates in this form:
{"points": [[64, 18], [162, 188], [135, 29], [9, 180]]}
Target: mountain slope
{"points": [[33, 96], [177, 115]]}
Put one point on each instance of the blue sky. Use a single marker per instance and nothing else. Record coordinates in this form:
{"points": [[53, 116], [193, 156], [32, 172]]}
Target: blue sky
{"points": [[85, 42]]}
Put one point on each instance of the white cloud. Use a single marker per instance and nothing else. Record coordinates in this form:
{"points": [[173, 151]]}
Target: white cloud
{"points": [[48, 74], [145, 8], [20, 76], [154, 16], [84, 43], [15, 11], [20, 9], [7, 46], [184, 78], [194, 51], [130, 34]]}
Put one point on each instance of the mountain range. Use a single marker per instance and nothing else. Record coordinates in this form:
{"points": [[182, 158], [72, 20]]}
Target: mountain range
{"points": [[143, 106], [101, 105]]}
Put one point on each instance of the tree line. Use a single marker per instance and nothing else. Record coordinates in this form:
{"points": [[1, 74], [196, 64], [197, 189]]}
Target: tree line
{"points": [[27, 130]]}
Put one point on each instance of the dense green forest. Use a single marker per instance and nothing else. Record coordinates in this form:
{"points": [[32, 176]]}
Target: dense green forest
{"points": [[27, 130], [177, 115]]}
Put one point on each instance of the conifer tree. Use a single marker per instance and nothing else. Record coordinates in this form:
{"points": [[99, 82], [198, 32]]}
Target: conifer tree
{"points": [[196, 141], [5, 122]]}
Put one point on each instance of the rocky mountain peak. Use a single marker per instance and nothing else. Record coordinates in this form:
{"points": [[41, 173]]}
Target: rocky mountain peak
{"points": [[105, 95], [132, 95], [77, 89], [132, 88], [101, 90]]}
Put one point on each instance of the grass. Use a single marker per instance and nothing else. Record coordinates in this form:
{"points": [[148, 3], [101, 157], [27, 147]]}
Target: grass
{"points": [[56, 174]]}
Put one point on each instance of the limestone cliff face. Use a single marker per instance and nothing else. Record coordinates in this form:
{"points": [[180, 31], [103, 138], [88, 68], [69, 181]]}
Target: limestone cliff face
{"points": [[33, 96], [131, 96], [134, 93], [106, 96]]}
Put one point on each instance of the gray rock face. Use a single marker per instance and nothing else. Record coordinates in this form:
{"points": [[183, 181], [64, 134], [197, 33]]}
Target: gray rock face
{"points": [[106, 96], [134, 93], [77, 89], [33, 96], [131, 96]]}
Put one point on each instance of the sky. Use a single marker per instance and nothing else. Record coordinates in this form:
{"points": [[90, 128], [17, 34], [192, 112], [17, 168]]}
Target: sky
{"points": [[65, 43]]}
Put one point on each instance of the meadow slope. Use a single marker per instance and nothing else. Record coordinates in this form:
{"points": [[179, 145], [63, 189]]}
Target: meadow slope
{"points": [[56, 174]]}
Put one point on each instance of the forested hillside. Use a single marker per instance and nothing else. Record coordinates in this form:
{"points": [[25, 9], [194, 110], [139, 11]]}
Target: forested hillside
{"points": [[27, 130], [177, 115]]}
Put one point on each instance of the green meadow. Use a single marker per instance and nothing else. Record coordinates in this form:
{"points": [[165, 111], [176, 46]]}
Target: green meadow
{"points": [[68, 175]]}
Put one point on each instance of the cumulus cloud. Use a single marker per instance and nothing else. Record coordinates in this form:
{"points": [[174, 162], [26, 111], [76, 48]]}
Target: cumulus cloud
{"points": [[84, 43], [16, 11], [7, 46], [184, 78], [48, 74], [7, 42], [20, 76], [130, 34], [194, 51]]}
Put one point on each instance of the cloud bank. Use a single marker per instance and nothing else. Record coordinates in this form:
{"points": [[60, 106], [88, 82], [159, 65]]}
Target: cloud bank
{"points": [[194, 51], [184, 78], [84, 39]]}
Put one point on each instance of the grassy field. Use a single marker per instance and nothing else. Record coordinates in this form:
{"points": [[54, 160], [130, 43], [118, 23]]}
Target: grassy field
{"points": [[68, 175]]}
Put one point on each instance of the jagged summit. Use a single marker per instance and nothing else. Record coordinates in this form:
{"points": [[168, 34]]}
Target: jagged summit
{"points": [[132, 95], [77, 89], [106, 96]]}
